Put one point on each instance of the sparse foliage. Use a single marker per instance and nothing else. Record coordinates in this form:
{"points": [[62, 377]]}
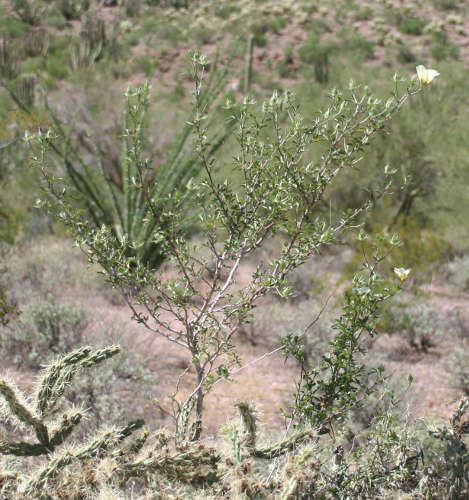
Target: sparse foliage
{"points": [[279, 193]]}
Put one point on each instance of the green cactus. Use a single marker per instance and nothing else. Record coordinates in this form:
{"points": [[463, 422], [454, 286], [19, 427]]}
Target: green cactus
{"points": [[36, 416], [9, 59], [25, 89]]}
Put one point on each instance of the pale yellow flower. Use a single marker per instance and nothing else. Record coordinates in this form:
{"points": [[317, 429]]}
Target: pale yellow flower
{"points": [[425, 75], [402, 273]]}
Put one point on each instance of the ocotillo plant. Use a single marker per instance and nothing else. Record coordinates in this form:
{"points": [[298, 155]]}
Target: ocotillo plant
{"points": [[124, 207], [9, 59], [280, 178], [248, 68]]}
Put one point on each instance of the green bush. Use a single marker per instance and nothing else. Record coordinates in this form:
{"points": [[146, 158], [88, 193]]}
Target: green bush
{"points": [[70, 9], [29, 11], [358, 45], [145, 64], [458, 368], [45, 329], [413, 26], [48, 266], [443, 49], [132, 8], [405, 54], [421, 324], [11, 27], [318, 54], [364, 14], [447, 4], [459, 273], [57, 63], [275, 191], [278, 23]]}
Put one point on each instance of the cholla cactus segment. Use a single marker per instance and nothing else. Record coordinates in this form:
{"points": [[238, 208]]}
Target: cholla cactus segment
{"points": [[66, 427], [100, 356], [250, 426], [59, 375], [183, 419], [54, 382], [47, 394], [196, 465], [107, 440], [134, 447], [286, 445], [22, 412], [22, 449], [33, 487], [460, 424], [268, 452]]}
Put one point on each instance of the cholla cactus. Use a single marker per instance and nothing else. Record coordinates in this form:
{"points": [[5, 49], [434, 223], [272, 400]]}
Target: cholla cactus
{"points": [[36, 416], [52, 428], [107, 440]]}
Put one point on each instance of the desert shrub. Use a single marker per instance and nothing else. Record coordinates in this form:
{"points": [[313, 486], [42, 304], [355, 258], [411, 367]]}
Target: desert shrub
{"points": [[278, 23], [57, 64], [413, 25], [422, 325], [363, 14], [458, 368], [29, 11], [48, 266], [10, 27], [145, 64], [318, 54], [446, 4], [45, 328], [259, 34], [132, 8], [405, 54], [10, 221], [70, 9], [177, 4], [285, 70], [273, 191], [8, 306], [235, 223], [459, 273], [359, 46], [443, 48]]}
